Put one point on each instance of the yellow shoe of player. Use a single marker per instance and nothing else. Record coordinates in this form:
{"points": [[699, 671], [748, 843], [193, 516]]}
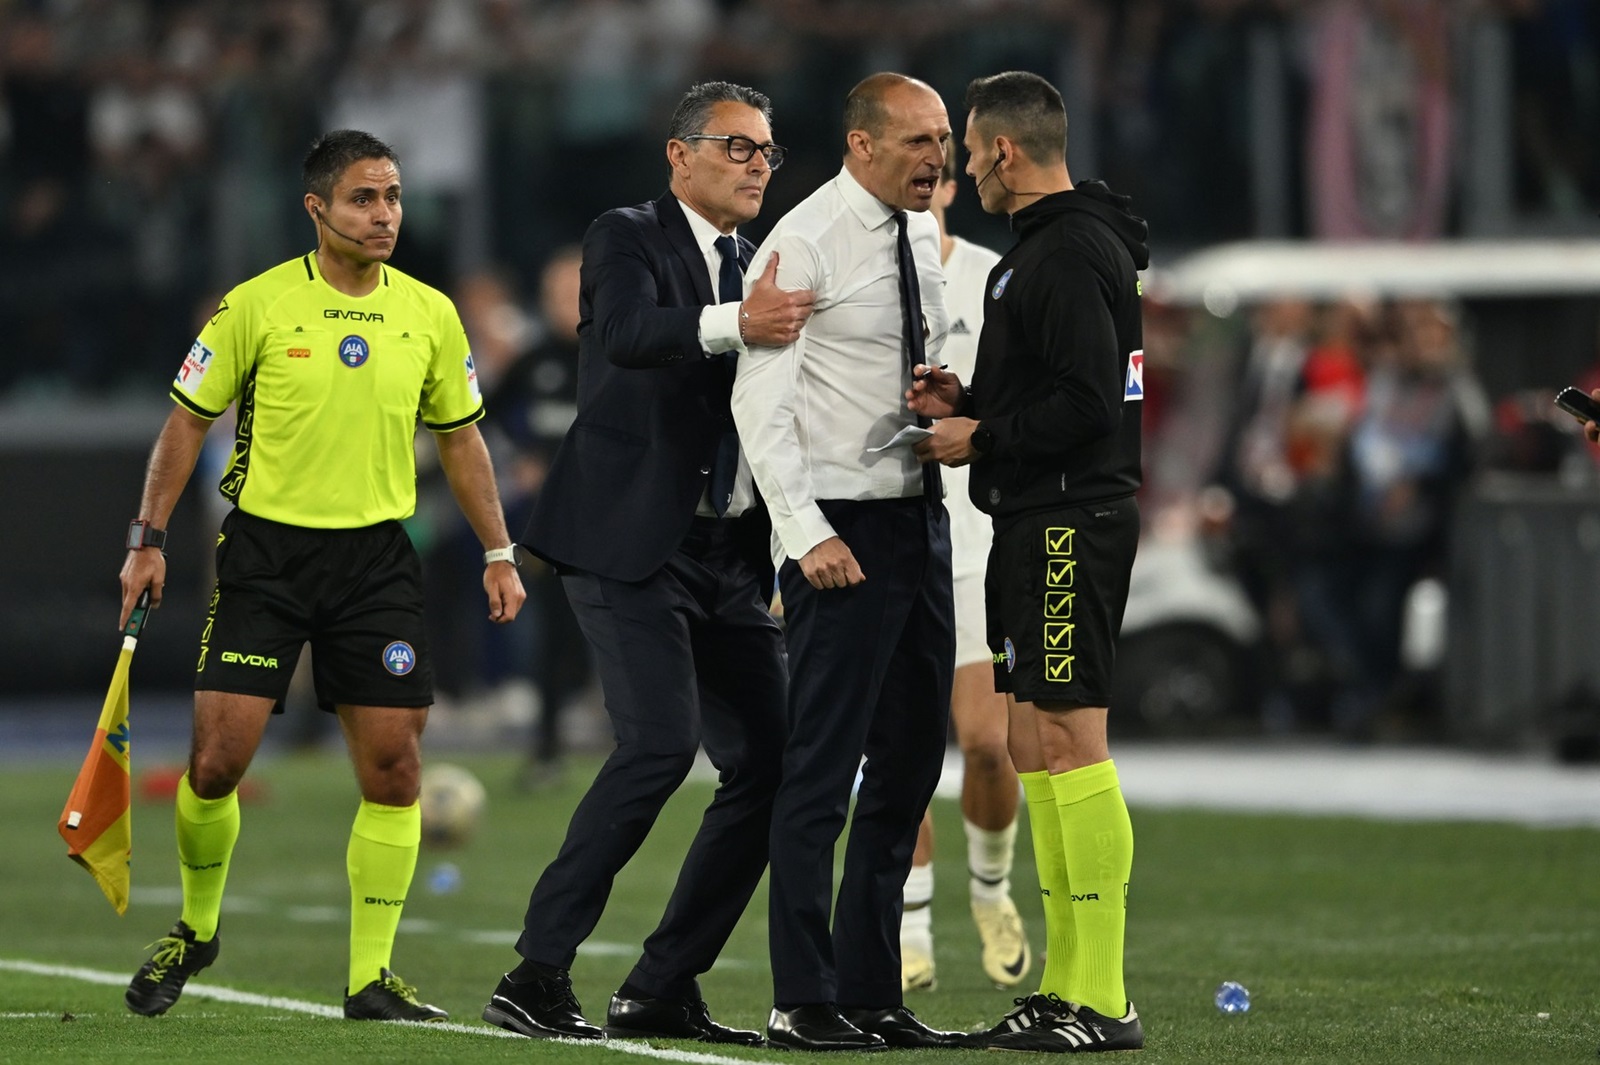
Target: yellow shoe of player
{"points": [[916, 970], [1006, 957]]}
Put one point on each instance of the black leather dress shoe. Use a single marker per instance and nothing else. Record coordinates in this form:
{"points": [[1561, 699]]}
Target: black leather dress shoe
{"points": [[900, 1028], [540, 1009], [671, 1018], [818, 1027]]}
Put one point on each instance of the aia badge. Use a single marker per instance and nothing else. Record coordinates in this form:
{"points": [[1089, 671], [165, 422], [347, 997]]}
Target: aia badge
{"points": [[353, 351], [1135, 389], [399, 658], [1000, 285]]}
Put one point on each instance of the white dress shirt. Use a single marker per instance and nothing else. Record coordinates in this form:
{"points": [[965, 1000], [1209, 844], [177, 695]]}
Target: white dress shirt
{"points": [[808, 413], [719, 333], [966, 283]]}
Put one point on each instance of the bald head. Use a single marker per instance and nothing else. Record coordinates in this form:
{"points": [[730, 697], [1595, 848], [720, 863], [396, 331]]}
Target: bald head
{"points": [[868, 105]]}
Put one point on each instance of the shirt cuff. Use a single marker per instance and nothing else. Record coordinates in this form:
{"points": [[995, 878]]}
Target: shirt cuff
{"points": [[802, 531], [719, 328]]}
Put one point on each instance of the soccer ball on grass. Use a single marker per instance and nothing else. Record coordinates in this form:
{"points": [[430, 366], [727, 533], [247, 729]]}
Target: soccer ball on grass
{"points": [[452, 804]]}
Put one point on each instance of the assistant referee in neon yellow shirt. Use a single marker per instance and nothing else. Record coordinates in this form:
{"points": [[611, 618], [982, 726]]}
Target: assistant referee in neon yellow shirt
{"points": [[331, 359]]}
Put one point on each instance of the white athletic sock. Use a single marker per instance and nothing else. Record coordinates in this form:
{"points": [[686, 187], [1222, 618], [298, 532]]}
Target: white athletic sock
{"points": [[989, 856], [916, 923]]}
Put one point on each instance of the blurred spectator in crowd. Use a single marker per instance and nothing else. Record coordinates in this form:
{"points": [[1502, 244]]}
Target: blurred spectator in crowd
{"points": [[1412, 453], [533, 404], [413, 77], [1257, 471], [486, 668]]}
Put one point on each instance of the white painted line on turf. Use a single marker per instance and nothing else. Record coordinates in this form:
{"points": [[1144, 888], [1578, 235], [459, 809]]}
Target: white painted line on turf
{"points": [[318, 1009]]}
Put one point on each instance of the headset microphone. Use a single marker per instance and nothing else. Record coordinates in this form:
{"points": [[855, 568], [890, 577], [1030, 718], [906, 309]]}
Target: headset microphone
{"points": [[998, 160], [324, 221]]}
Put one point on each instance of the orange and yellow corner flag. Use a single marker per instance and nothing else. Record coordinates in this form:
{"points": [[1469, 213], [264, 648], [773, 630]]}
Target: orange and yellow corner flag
{"points": [[97, 821]]}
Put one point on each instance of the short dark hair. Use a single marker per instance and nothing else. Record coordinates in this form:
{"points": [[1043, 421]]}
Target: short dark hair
{"points": [[1025, 108], [694, 110], [332, 153], [864, 109]]}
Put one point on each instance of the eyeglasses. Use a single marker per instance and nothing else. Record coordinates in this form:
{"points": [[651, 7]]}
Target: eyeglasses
{"points": [[743, 149]]}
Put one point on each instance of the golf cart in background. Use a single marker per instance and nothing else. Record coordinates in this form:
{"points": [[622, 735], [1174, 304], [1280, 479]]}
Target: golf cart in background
{"points": [[1190, 657]]}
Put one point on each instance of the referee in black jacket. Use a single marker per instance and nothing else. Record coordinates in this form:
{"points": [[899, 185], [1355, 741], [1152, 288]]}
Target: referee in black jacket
{"points": [[1051, 426]]}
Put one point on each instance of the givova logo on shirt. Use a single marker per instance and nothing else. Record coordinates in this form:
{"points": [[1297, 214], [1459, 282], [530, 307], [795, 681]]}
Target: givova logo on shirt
{"points": [[194, 367]]}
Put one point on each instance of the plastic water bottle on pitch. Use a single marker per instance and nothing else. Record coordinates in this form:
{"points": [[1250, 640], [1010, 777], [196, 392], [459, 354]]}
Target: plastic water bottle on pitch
{"points": [[1233, 997], [444, 879]]}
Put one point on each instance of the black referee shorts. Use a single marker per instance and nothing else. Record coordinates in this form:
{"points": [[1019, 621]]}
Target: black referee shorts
{"points": [[354, 594], [1056, 588]]}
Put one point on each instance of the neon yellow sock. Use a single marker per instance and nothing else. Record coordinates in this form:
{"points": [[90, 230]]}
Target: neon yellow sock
{"points": [[207, 831], [1056, 893], [381, 860], [1097, 837]]}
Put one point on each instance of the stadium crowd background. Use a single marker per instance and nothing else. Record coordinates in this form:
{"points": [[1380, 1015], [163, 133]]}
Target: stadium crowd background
{"points": [[150, 151]]}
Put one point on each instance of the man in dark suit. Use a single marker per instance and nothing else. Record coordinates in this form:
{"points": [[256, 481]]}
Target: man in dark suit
{"points": [[650, 517]]}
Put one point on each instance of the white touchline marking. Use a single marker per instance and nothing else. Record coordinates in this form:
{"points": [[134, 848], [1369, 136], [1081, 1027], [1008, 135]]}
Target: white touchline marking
{"points": [[318, 1009]]}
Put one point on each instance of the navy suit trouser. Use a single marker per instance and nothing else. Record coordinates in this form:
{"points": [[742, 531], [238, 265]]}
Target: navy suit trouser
{"points": [[686, 657], [870, 670]]}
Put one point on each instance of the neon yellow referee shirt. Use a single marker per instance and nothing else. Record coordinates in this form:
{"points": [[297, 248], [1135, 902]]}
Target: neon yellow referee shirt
{"points": [[329, 389]]}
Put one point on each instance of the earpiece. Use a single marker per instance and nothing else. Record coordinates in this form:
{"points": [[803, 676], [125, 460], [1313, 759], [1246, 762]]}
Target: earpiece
{"points": [[1001, 157]]}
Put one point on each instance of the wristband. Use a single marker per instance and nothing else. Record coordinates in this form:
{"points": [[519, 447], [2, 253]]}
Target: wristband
{"points": [[511, 553], [143, 534]]}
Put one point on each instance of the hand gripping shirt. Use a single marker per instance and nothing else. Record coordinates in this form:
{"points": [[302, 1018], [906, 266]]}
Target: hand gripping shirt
{"points": [[329, 389]]}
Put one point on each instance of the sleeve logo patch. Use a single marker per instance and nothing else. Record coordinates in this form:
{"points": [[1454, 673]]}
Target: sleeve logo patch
{"points": [[1135, 389], [472, 378], [194, 367], [1000, 285]]}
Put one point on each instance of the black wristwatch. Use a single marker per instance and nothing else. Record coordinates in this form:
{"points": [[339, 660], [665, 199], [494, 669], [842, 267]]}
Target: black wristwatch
{"points": [[142, 534], [982, 440]]}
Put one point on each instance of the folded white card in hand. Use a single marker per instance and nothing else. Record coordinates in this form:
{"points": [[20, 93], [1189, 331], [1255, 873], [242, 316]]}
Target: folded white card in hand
{"points": [[904, 438]]}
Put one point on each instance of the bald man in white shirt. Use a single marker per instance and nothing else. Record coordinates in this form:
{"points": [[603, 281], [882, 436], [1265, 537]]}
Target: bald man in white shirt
{"points": [[862, 545]]}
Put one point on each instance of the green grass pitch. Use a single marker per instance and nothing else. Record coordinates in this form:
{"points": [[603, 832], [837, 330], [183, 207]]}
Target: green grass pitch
{"points": [[1361, 942]]}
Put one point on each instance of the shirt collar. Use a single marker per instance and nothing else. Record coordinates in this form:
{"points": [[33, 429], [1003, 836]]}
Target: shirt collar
{"points": [[870, 211], [705, 234]]}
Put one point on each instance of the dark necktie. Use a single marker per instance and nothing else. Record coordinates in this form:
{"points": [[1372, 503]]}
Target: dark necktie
{"points": [[725, 467], [911, 327]]}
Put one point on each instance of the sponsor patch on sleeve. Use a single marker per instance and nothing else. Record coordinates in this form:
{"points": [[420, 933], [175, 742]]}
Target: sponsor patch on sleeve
{"points": [[1135, 389], [194, 367], [472, 379]]}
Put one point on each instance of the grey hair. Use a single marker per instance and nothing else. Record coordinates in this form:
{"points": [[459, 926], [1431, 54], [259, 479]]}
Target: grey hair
{"points": [[694, 110]]}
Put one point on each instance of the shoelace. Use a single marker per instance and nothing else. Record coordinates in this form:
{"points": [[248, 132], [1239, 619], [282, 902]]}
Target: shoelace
{"points": [[562, 993], [169, 951], [401, 989]]}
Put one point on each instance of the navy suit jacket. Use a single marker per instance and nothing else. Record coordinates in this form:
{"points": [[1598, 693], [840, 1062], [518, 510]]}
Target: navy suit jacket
{"points": [[652, 406]]}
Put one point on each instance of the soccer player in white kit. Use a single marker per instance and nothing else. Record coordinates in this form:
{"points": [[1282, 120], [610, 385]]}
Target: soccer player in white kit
{"points": [[989, 784]]}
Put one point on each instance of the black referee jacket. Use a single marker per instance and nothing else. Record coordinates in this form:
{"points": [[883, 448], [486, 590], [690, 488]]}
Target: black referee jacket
{"points": [[1059, 374]]}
